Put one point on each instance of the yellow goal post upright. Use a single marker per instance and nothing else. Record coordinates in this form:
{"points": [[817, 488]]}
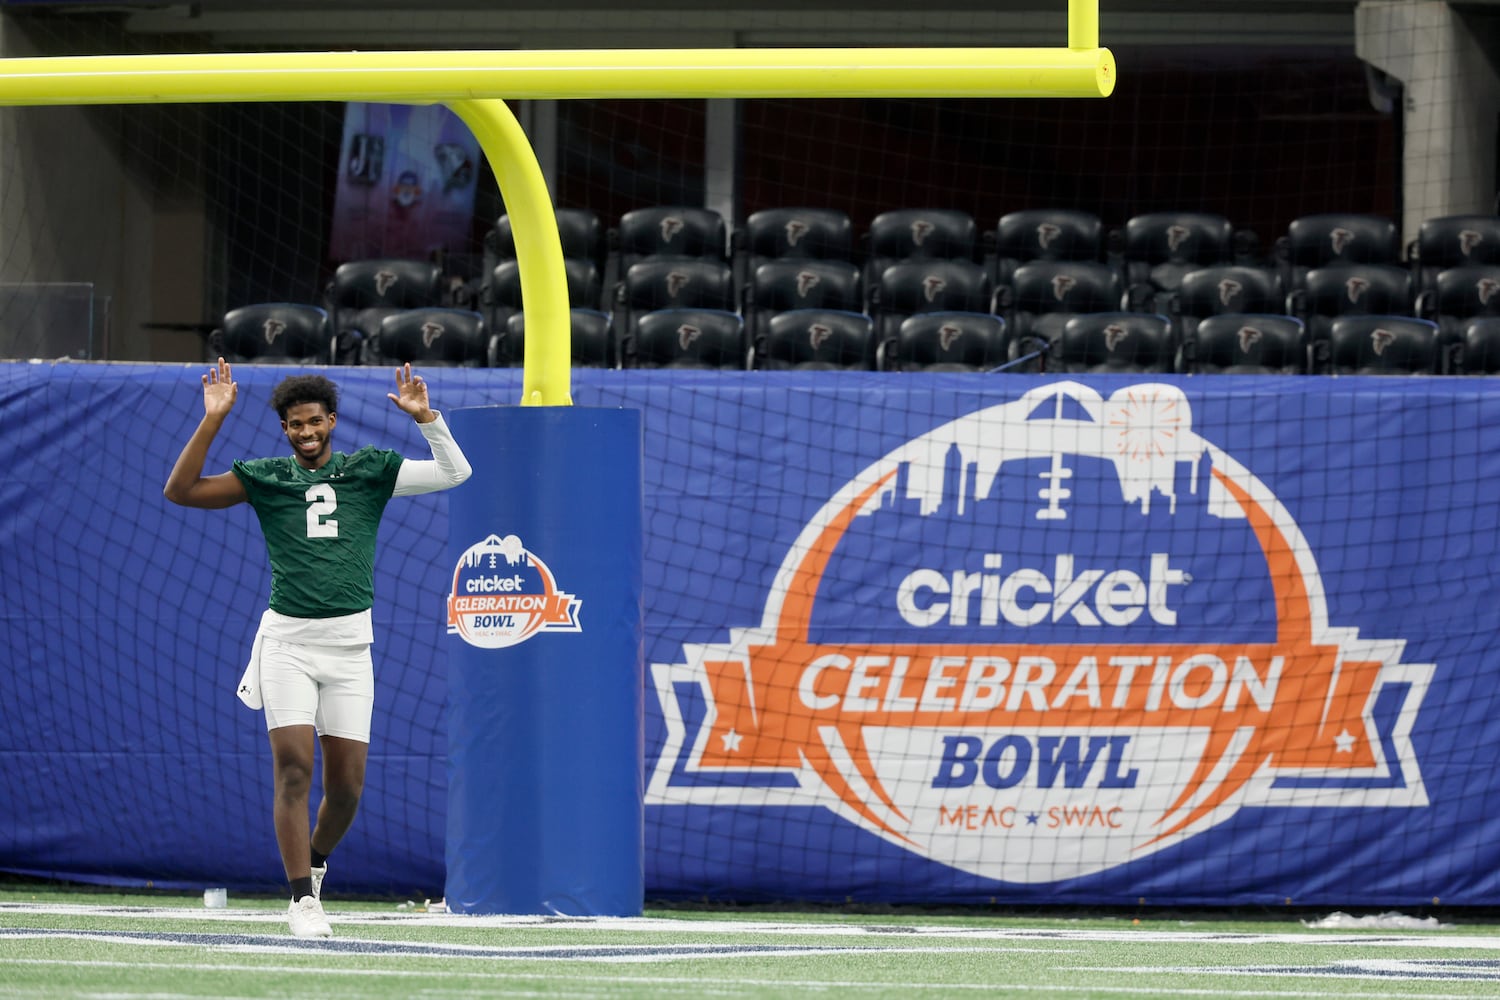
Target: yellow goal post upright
{"points": [[475, 85]]}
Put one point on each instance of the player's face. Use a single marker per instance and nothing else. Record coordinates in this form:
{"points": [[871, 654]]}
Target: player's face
{"points": [[309, 428]]}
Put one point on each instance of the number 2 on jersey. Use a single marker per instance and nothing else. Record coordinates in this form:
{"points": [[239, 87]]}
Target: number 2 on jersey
{"points": [[322, 501]]}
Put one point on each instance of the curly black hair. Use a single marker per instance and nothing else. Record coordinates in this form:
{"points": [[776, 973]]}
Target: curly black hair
{"points": [[296, 389]]}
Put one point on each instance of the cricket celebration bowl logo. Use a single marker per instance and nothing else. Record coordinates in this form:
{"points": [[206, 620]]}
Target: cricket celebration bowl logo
{"points": [[502, 594], [1042, 640]]}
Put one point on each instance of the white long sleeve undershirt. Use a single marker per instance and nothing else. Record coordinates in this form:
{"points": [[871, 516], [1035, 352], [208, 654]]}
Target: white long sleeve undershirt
{"points": [[446, 470]]}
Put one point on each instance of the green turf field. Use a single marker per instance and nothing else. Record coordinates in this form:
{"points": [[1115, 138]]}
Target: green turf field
{"points": [[60, 944]]}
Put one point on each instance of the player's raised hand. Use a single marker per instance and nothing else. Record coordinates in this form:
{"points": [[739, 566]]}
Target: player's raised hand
{"points": [[411, 395], [219, 390]]}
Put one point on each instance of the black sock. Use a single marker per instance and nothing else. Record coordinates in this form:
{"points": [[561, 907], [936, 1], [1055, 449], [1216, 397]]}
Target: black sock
{"points": [[318, 860], [301, 887]]}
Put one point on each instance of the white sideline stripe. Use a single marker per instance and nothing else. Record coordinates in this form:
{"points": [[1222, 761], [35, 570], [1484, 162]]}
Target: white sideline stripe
{"points": [[698, 982], [1311, 936]]}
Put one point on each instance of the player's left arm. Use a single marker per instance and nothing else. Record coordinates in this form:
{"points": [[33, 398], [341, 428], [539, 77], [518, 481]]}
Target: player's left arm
{"points": [[448, 466]]}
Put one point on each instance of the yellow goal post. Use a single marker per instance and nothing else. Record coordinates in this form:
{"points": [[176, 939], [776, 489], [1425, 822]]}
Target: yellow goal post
{"points": [[476, 84]]}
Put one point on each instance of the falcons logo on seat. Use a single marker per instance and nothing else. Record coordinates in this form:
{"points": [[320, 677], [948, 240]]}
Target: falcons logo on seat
{"points": [[383, 282], [932, 285], [920, 230], [1249, 337], [686, 334], [431, 331], [1355, 287], [806, 282], [818, 334], [1046, 233], [795, 229], [1113, 335], [670, 227], [1486, 287], [272, 328], [676, 282], [1229, 289], [1380, 339], [1177, 236], [948, 335]]}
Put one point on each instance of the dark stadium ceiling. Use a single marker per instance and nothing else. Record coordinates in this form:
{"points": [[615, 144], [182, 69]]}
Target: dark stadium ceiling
{"points": [[322, 24]]}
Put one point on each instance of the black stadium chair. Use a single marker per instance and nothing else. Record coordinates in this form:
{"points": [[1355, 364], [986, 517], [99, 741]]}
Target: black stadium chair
{"points": [[1454, 241], [947, 342], [1114, 342], [1043, 295], [364, 292], [274, 333], [671, 231], [1350, 290], [1246, 344], [921, 286], [802, 233], [669, 283], [1477, 351], [591, 334], [1382, 345], [1045, 234], [816, 340], [585, 289], [1222, 290], [919, 234], [434, 337], [689, 338], [779, 285], [579, 230], [1313, 241], [1160, 248]]}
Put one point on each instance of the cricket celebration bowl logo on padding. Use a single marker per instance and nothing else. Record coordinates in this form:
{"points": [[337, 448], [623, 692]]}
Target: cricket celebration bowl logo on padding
{"points": [[1042, 640], [502, 594]]}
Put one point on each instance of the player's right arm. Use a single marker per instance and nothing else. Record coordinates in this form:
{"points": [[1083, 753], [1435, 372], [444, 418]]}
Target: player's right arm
{"points": [[187, 485]]}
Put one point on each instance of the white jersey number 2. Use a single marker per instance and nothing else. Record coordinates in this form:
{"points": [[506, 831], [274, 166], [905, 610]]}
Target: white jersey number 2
{"points": [[322, 501]]}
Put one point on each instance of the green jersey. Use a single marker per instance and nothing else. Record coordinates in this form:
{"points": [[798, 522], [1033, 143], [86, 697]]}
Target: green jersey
{"points": [[320, 527]]}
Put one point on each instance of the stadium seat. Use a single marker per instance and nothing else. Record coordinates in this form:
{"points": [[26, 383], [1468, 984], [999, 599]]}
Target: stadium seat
{"points": [[803, 233], [669, 283], [585, 289], [1220, 290], [1114, 342], [591, 333], [920, 286], [1045, 234], [1382, 345], [1246, 344], [779, 285], [432, 337], [671, 231], [1042, 295], [922, 234], [688, 338], [1454, 241], [364, 292], [1314, 241], [1477, 351], [947, 342], [816, 340], [1350, 290], [274, 333], [580, 231], [1159, 248]]}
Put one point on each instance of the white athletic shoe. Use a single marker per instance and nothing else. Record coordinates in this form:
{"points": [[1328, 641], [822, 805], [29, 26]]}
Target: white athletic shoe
{"points": [[307, 918], [317, 877]]}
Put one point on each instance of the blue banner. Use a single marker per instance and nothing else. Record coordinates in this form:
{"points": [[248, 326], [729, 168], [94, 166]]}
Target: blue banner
{"points": [[923, 638]]}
